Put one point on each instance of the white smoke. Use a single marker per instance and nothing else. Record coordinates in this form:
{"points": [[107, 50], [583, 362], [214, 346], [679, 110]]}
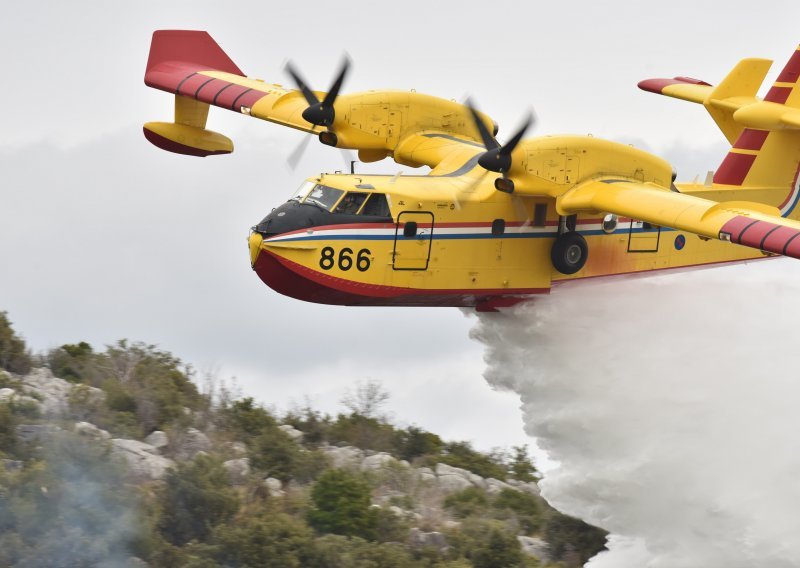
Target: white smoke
{"points": [[671, 407]]}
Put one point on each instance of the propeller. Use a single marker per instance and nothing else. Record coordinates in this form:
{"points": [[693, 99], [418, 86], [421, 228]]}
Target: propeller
{"points": [[321, 113], [497, 157]]}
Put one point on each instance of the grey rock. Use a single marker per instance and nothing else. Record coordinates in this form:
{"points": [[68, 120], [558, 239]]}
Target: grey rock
{"points": [[91, 431], [452, 479], [495, 486], [477, 480], [453, 483], [191, 443], [535, 547], [274, 486], [52, 392], [346, 457], [426, 474], [378, 461], [238, 470], [292, 432], [157, 439], [34, 432], [531, 487], [420, 539], [142, 459], [7, 394]]}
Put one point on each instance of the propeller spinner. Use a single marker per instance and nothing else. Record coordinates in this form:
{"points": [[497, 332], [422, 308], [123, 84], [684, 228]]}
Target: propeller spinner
{"points": [[321, 113], [497, 158]]}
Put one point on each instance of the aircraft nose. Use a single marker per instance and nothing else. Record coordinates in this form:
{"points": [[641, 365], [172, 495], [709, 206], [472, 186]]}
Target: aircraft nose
{"points": [[254, 241]]}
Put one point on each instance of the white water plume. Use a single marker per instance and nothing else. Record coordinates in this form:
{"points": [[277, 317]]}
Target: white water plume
{"points": [[670, 407]]}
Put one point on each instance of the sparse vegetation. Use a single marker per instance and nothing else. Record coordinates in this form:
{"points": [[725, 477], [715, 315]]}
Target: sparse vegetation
{"points": [[64, 495]]}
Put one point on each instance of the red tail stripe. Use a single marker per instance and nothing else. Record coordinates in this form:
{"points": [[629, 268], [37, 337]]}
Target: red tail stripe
{"points": [[791, 73], [778, 95], [751, 139], [734, 169]]}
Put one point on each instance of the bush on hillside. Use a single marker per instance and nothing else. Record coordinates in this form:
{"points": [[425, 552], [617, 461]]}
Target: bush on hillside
{"points": [[14, 355]]}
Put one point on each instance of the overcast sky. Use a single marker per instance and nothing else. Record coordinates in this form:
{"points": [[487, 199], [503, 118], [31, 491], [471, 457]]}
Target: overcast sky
{"points": [[102, 236]]}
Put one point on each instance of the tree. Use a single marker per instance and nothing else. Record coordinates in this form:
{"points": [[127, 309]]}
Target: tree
{"points": [[342, 505], [196, 497], [367, 399], [14, 356], [521, 466]]}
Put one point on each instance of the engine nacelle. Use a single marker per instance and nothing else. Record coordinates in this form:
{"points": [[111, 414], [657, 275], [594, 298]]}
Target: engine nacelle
{"points": [[188, 140]]}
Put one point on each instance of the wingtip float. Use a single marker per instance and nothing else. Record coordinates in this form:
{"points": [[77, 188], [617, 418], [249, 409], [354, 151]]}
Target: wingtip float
{"points": [[491, 224]]}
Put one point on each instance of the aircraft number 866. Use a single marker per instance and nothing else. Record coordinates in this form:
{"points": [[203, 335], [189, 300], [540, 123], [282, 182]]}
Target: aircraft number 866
{"points": [[345, 261]]}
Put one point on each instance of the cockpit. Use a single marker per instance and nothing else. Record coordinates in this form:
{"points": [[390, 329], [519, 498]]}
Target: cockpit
{"points": [[315, 204]]}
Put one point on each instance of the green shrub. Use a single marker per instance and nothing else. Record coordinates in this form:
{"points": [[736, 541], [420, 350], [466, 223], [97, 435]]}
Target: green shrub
{"points": [[471, 501], [461, 454], [526, 508], [274, 541], [341, 505], [196, 497], [14, 356], [415, 442]]}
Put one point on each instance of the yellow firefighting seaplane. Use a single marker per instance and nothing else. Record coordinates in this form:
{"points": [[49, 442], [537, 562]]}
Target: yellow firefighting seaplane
{"points": [[492, 223]]}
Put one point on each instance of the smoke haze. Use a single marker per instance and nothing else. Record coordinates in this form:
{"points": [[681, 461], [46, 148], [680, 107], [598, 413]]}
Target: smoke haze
{"points": [[670, 407]]}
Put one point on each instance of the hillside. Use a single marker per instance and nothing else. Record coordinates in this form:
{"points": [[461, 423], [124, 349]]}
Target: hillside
{"points": [[116, 457]]}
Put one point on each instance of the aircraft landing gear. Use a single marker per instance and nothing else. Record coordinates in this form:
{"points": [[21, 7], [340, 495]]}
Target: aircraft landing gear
{"points": [[569, 252]]}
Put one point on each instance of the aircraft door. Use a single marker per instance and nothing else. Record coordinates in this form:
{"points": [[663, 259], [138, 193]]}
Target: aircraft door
{"points": [[643, 237], [413, 236]]}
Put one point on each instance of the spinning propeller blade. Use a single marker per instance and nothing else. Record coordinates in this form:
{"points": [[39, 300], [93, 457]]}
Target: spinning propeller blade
{"points": [[320, 113], [497, 158]]}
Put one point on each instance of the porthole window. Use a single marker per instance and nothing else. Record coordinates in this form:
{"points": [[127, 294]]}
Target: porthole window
{"points": [[610, 223], [498, 227]]}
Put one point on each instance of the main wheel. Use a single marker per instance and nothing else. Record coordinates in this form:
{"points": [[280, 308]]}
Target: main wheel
{"points": [[569, 253]]}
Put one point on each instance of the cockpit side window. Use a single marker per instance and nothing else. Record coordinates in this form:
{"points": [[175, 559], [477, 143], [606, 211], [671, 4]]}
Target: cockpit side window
{"points": [[376, 206], [324, 196], [350, 203]]}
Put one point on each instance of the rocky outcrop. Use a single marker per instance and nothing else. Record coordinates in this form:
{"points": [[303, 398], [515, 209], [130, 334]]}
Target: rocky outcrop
{"points": [[452, 479], [51, 392], [535, 547], [192, 442], [426, 475], [292, 432], [143, 460], [238, 470], [344, 457], [157, 439], [377, 462], [274, 486], [89, 430]]}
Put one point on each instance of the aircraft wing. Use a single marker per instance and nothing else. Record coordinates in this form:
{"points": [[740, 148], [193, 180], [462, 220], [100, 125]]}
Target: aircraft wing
{"points": [[413, 128], [749, 224]]}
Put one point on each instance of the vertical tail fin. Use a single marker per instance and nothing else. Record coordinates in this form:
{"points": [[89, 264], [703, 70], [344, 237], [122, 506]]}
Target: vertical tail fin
{"points": [[767, 151]]}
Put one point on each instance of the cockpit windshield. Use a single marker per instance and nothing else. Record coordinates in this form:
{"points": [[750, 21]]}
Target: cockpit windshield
{"points": [[324, 196], [302, 191]]}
